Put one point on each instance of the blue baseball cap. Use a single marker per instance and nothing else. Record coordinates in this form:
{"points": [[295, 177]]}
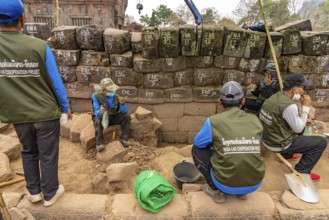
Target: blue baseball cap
{"points": [[12, 8]]}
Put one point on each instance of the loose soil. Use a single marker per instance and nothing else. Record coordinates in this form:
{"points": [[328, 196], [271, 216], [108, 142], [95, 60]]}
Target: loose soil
{"points": [[78, 168]]}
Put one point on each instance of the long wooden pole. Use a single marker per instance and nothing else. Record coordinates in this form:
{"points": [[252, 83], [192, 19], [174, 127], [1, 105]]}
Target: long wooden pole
{"points": [[57, 16], [4, 208], [11, 182], [271, 45]]}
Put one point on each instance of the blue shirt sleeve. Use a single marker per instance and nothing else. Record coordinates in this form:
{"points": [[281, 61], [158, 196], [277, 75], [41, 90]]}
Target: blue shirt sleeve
{"points": [[55, 78], [204, 138], [96, 106], [123, 108]]}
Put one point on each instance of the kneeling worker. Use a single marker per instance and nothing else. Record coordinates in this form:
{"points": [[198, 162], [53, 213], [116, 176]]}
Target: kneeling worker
{"points": [[108, 100], [227, 148]]}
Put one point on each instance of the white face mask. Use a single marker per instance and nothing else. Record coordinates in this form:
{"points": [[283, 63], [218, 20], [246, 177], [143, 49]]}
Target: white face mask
{"points": [[296, 97]]}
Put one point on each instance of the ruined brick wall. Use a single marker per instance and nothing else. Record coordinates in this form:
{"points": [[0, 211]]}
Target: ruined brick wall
{"points": [[177, 72], [109, 13]]}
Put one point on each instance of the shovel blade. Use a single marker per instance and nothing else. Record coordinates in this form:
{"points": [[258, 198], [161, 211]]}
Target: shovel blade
{"points": [[303, 187]]}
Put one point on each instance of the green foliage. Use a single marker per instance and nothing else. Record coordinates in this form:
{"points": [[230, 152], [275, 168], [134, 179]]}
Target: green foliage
{"points": [[322, 17], [210, 15], [160, 17], [276, 12]]}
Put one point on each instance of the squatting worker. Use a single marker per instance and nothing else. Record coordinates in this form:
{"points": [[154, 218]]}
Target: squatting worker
{"points": [[227, 148], [266, 87], [284, 123], [117, 110], [32, 98]]}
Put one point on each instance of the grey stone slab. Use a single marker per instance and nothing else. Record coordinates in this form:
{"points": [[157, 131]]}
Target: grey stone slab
{"points": [[150, 43], [129, 93], [94, 58], [226, 62], [212, 40], [5, 170], [67, 57], [205, 94], [169, 110], [37, 30], [320, 97], [314, 43], [90, 37], [251, 78], [64, 38], [250, 65], [126, 77], [78, 90], [69, 207], [301, 64], [236, 40], [277, 40], [113, 153], [321, 64], [293, 208], [255, 45], [136, 42], [92, 74], [200, 109], [178, 94], [292, 42], [233, 75], [126, 206], [68, 73], [158, 80], [143, 65], [174, 64], [12, 199], [10, 146], [169, 42], [199, 62], [122, 60], [80, 105], [207, 77], [259, 206], [304, 25], [322, 81], [190, 40], [184, 78], [150, 96], [116, 41]]}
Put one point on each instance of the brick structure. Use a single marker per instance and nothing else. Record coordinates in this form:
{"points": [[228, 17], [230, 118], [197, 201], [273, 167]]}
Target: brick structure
{"points": [[108, 13], [178, 78]]}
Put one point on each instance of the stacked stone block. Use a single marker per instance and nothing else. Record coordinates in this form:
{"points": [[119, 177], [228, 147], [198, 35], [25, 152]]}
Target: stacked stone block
{"points": [[181, 68]]}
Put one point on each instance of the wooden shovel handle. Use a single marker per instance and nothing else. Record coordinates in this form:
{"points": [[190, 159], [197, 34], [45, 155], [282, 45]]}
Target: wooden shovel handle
{"points": [[287, 163], [11, 182]]}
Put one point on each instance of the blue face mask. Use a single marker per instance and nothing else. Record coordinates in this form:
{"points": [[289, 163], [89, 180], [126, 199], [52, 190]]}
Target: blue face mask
{"points": [[110, 94]]}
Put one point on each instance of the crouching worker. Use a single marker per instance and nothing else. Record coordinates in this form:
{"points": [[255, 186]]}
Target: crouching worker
{"points": [[227, 148], [117, 110], [284, 123]]}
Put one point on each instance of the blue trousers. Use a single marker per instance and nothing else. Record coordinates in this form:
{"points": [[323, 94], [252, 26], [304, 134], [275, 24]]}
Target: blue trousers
{"points": [[40, 142]]}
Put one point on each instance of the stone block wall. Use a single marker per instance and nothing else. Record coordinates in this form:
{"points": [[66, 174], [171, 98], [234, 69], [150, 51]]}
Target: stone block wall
{"points": [[177, 72]]}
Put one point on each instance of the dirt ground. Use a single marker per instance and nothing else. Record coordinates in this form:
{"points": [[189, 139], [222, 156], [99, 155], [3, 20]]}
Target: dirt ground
{"points": [[77, 168]]}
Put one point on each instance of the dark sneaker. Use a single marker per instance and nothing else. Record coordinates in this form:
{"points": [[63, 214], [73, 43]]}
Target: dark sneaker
{"points": [[315, 177], [216, 195], [125, 143], [242, 197], [100, 147]]}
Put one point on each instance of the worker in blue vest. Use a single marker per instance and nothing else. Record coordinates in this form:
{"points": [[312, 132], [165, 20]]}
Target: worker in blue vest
{"points": [[227, 148], [116, 108]]}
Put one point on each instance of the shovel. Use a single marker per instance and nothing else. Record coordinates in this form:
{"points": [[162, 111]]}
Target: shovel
{"points": [[300, 184]]}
